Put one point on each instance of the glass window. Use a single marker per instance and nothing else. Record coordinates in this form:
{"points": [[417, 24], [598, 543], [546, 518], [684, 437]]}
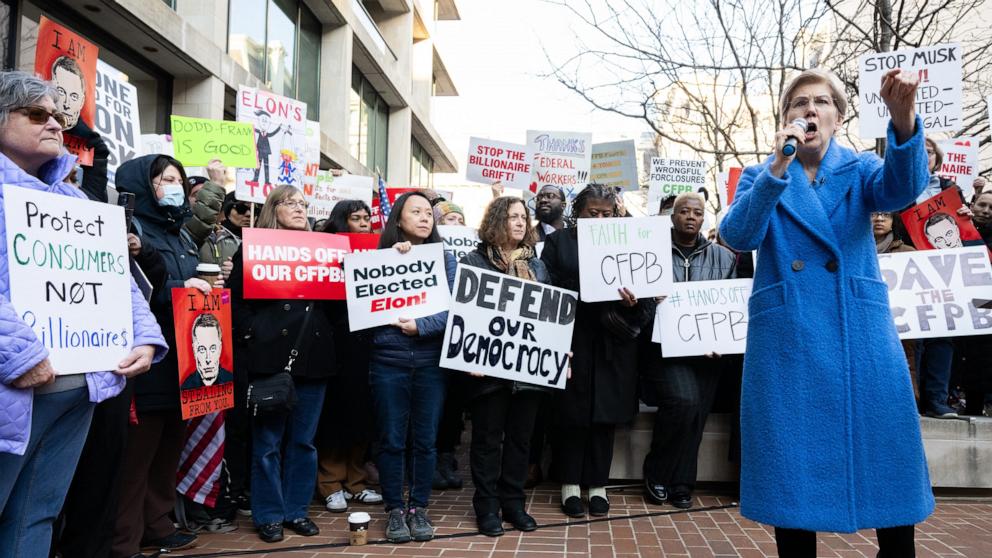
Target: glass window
{"points": [[368, 129], [421, 166], [246, 35], [355, 115], [308, 68], [281, 43]]}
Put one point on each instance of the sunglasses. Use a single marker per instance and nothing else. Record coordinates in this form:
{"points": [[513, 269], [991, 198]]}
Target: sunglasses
{"points": [[40, 115], [241, 207]]}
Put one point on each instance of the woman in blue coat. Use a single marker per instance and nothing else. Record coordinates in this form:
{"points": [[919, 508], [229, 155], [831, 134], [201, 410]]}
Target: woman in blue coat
{"points": [[830, 434]]}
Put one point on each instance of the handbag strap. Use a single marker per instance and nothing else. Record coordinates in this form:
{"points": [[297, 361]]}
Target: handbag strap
{"points": [[295, 352]]}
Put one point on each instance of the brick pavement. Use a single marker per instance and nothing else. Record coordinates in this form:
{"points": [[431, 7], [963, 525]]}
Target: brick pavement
{"points": [[960, 527]]}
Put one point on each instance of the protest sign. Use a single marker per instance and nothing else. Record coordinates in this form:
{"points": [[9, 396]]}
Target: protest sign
{"points": [[311, 155], [509, 328], [458, 240], [726, 185], [615, 164], [385, 285], [69, 277], [671, 177], [393, 194], [330, 189], [938, 99], [361, 242], [492, 161], [197, 141], [561, 159], [942, 293], [69, 61], [280, 142], [157, 144], [116, 118], [960, 163], [935, 223], [293, 264], [703, 317], [205, 350], [623, 252]]}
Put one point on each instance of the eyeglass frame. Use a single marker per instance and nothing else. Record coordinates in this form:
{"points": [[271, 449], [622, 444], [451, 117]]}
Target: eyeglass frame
{"points": [[293, 204], [56, 115], [794, 106]]}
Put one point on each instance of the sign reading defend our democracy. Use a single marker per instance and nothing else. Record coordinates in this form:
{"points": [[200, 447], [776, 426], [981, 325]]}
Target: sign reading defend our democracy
{"points": [[69, 277], [635, 253], [197, 141], [385, 285], [938, 98], [510, 328], [492, 161], [281, 264], [703, 317]]}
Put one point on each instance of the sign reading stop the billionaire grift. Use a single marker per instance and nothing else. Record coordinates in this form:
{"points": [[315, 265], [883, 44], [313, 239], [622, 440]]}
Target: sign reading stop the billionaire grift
{"points": [[284, 264]]}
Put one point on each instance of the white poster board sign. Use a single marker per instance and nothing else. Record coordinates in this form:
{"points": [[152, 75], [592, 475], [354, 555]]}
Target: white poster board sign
{"points": [[939, 293], [615, 164], [116, 117], [157, 144], [458, 240], [329, 190], [671, 177], [492, 161], [703, 317], [561, 159], [938, 99], [385, 285], [280, 142], [509, 328], [961, 163], [69, 277], [633, 253]]}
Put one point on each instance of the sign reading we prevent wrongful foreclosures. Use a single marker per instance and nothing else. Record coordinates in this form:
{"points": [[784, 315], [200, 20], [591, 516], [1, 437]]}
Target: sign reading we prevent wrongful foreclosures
{"points": [[69, 277], [510, 328]]}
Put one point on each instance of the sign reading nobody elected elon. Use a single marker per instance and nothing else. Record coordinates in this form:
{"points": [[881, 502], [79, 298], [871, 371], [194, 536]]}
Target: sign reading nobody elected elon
{"points": [[623, 252], [509, 328], [69, 277], [385, 285]]}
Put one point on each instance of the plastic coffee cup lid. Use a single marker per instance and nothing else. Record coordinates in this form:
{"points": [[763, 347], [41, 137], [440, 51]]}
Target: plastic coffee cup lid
{"points": [[208, 268], [359, 517]]}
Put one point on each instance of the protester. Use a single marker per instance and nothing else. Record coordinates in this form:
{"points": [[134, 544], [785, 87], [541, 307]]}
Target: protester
{"points": [[825, 391], [447, 213], [266, 332], [602, 391], [976, 350], [937, 183], [503, 411], [45, 417], [684, 388], [550, 210], [237, 214], [94, 183], [408, 387], [347, 424]]}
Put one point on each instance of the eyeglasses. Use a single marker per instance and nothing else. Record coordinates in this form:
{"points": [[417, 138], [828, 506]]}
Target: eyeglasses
{"points": [[40, 115], [548, 196], [167, 181], [802, 103], [241, 207], [294, 204]]}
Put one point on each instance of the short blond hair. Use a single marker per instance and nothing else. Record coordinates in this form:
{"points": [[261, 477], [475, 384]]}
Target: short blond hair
{"points": [[815, 75], [686, 196]]}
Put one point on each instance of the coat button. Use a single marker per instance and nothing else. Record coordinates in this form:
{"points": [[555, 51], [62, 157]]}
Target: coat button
{"points": [[798, 265], [285, 332], [832, 266], [317, 333], [286, 307]]}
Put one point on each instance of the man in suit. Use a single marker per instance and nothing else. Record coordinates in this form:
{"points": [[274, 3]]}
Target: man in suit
{"points": [[262, 135], [208, 343]]}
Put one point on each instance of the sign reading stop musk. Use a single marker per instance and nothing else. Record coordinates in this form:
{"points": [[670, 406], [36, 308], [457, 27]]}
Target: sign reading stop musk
{"points": [[293, 264], [385, 285], [509, 328]]}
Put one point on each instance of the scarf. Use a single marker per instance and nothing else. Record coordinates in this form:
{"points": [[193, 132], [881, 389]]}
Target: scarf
{"points": [[516, 265], [882, 246]]}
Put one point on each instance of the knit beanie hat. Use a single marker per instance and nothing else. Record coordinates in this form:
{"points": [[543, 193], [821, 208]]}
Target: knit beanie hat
{"points": [[446, 207]]}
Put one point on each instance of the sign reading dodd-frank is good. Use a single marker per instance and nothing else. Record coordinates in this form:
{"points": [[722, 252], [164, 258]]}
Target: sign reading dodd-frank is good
{"points": [[385, 285], [293, 264], [509, 328]]}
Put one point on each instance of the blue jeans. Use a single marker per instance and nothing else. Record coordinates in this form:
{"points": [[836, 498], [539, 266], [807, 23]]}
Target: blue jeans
{"points": [[284, 458], [407, 399], [934, 365], [33, 485]]}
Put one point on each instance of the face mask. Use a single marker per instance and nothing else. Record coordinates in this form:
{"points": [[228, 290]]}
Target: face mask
{"points": [[174, 195]]}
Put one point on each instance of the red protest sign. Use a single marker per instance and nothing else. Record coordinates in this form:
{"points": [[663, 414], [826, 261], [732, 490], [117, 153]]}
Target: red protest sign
{"points": [[935, 223], [69, 61], [284, 264], [205, 350], [362, 242], [732, 180], [393, 193]]}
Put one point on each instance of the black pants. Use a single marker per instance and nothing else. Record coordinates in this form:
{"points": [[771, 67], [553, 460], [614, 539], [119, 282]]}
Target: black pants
{"points": [[237, 443], [90, 508], [583, 455], [449, 430], [684, 391], [893, 542], [502, 422]]}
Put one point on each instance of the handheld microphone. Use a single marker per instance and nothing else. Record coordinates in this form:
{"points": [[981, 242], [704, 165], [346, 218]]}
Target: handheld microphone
{"points": [[789, 149]]}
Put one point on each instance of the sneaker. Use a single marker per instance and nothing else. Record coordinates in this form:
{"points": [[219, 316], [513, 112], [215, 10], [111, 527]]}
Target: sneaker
{"points": [[367, 496], [656, 493], [215, 525], [175, 541], [937, 410], [397, 531], [336, 502], [421, 528]]}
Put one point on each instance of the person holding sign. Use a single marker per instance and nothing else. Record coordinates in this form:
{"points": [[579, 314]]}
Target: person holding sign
{"points": [[45, 415], [269, 334], [408, 386], [829, 429], [503, 411], [684, 387], [602, 391]]}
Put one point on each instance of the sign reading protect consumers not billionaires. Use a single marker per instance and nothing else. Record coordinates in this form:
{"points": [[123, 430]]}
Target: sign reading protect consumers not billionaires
{"points": [[69, 278], [385, 285], [509, 328]]}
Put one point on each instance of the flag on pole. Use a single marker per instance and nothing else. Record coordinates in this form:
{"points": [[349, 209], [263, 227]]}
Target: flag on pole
{"points": [[384, 206]]}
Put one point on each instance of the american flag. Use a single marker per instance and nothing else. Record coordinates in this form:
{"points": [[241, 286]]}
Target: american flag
{"points": [[384, 207], [198, 476]]}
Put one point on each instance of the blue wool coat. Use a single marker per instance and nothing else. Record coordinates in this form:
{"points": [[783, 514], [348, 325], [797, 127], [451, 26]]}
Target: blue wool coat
{"points": [[829, 428]]}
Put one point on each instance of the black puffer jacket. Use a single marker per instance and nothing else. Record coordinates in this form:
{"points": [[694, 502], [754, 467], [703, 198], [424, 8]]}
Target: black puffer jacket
{"points": [[708, 261]]}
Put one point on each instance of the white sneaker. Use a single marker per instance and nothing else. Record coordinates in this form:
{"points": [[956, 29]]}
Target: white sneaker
{"points": [[367, 496], [336, 502]]}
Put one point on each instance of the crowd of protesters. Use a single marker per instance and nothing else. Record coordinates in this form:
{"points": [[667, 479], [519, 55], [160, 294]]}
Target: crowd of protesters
{"points": [[88, 463]]}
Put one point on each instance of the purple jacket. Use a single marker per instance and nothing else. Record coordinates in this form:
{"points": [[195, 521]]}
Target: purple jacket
{"points": [[20, 349]]}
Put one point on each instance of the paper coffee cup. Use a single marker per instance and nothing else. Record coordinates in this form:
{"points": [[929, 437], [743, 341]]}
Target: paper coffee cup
{"points": [[208, 272], [358, 524]]}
